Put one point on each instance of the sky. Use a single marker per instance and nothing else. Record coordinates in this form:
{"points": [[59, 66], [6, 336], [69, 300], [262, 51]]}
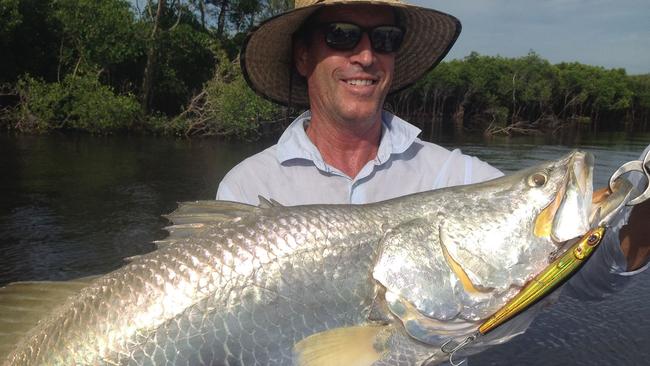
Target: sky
{"points": [[609, 33]]}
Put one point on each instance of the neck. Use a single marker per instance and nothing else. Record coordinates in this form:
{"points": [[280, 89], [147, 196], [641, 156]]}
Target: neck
{"points": [[346, 146]]}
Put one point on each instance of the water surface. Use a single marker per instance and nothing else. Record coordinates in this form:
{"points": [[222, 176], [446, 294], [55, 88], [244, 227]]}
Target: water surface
{"points": [[73, 206]]}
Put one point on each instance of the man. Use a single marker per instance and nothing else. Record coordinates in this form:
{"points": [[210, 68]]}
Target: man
{"points": [[343, 59], [346, 137]]}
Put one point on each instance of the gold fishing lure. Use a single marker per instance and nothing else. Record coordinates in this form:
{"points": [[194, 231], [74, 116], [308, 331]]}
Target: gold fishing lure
{"points": [[548, 280], [539, 287]]}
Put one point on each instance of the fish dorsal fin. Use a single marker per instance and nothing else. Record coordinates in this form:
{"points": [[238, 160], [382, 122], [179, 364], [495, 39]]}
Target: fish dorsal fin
{"points": [[132, 258], [204, 212], [359, 346], [268, 203], [24, 304], [192, 217]]}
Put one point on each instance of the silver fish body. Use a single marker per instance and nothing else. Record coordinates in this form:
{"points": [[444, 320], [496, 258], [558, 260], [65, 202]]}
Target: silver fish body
{"points": [[242, 285]]}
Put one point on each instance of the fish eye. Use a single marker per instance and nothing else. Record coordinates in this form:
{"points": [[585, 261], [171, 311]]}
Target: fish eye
{"points": [[537, 180]]}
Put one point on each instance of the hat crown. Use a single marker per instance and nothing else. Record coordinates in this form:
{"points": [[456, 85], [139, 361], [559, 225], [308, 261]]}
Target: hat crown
{"points": [[304, 3]]}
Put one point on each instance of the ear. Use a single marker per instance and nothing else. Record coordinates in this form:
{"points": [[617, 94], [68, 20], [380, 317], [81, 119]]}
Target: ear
{"points": [[301, 57]]}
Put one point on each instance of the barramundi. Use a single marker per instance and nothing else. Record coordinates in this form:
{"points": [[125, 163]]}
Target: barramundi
{"points": [[386, 283]]}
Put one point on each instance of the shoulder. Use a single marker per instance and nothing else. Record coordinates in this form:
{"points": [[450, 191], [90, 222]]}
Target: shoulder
{"points": [[430, 149], [246, 176], [452, 167], [257, 161]]}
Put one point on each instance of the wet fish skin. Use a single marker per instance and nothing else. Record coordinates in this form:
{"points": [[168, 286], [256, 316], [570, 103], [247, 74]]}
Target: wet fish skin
{"points": [[246, 290], [191, 288]]}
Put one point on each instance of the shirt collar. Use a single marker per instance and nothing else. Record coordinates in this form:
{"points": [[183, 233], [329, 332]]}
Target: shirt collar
{"points": [[397, 136]]}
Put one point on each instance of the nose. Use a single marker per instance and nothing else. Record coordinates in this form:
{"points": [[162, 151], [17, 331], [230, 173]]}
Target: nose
{"points": [[363, 54]]}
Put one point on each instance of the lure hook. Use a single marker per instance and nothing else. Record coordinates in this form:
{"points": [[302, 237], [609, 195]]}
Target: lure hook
{"points": [[455, 347]]}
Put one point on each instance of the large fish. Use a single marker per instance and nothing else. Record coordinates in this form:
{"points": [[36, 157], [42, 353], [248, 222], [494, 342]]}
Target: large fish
{"points": [[385, 283]]}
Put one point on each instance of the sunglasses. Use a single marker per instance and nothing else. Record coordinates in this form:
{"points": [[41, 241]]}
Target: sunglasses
{"points": [[346, 36]]}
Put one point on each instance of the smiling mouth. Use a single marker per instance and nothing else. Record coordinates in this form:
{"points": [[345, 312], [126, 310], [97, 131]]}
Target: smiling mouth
{"points": [[361, 82]]}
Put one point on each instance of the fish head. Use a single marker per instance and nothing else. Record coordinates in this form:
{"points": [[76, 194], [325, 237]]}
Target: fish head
{"points": [[562, 193], [575, 208], [445, 274]]}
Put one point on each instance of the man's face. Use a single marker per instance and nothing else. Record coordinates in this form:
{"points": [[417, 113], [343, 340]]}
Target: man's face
{"points": [[347, 86]]}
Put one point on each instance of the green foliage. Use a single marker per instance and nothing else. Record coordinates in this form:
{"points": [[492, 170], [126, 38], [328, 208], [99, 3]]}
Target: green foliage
{"points": [[243, 13], [226, 107], [640, 86], [237, 111], [479, 75], [28, 39], [527, 91], [88, 60], [10, 15], [187, 60], [613, 91], [533, 80], [40, 103], [79, 103], [593, 89], [97, 33], [160, 124]]}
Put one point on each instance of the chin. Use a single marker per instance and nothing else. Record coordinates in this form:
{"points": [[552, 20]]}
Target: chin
{"points": [[361, 111]]}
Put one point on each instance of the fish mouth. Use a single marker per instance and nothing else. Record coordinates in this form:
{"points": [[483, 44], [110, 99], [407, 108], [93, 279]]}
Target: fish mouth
{"points": [[607, 202], [577, 208], [568, 215], [572, 217]]}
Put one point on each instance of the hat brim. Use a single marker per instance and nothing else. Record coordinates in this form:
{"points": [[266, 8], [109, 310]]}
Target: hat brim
{"points": [[266, 56]]}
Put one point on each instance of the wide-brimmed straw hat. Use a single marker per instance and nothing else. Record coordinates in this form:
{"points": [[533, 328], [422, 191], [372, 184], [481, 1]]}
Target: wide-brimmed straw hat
{"points": [[267, 61]]}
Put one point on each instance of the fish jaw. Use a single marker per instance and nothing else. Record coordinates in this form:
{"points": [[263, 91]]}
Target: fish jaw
{"points": [[572, 216], [580, 209]]}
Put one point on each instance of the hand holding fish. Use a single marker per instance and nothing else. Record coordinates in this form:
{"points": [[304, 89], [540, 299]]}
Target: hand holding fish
{"points": [[635, 236]]}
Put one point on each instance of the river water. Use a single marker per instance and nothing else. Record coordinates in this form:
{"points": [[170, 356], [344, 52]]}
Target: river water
{"points": [[73, 206]]}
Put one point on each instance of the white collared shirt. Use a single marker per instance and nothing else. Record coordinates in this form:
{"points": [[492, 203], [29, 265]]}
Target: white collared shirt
{"points": [[293, 171]]}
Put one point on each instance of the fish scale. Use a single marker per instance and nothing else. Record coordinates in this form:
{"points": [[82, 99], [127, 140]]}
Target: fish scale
{"points": [[301, 309], [273, 290], [240, 285], [294, 247]]}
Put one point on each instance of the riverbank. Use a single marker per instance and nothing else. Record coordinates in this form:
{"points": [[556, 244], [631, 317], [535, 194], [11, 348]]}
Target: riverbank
{"points": [[464, 95]]}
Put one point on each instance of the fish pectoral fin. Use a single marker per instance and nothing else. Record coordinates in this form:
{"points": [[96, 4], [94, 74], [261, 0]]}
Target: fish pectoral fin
{"points": [[355, 346], [24, 304]]}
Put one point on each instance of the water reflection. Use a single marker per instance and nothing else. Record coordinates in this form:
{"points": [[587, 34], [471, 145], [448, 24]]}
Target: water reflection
{"points": [[73, 206]]}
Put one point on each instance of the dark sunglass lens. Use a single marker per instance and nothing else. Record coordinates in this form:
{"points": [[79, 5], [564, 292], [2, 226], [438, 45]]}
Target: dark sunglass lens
{"points": [[386, 38], [342, 36]]}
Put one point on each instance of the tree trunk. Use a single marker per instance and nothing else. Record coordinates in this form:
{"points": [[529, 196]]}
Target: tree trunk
{"points": [[202, 11], [514, 98], [435, 108], [459, 117], [152, 60], [221, 22], [594, 121], [251, 24]]}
